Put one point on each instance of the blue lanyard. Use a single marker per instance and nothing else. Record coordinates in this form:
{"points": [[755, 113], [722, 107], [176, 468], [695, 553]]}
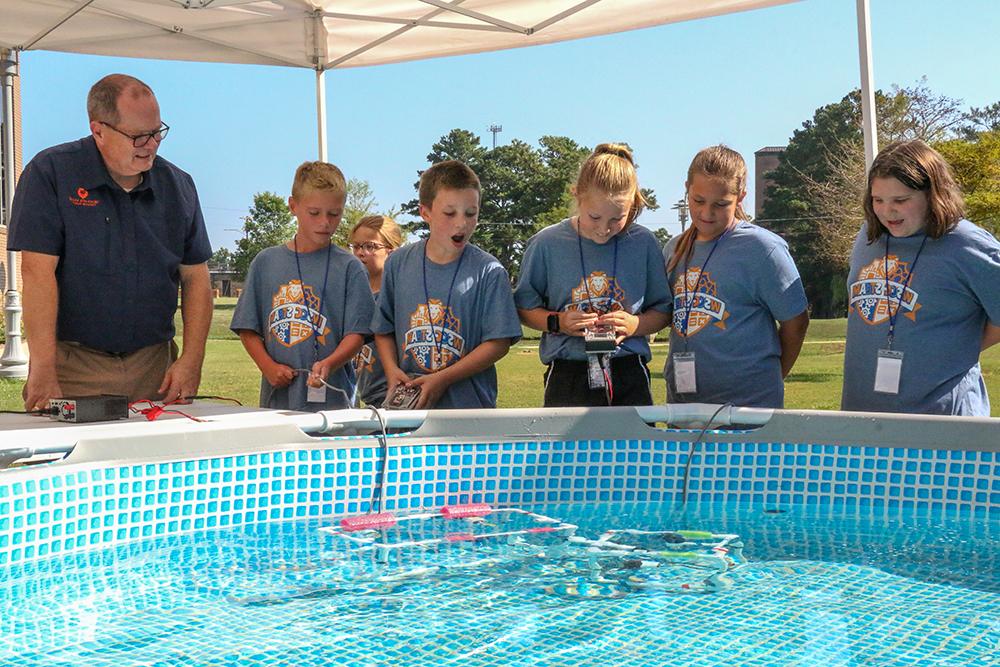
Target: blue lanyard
{"points": [[689, 300], [893, 312], [583, 267], [438, 344], [319, 305]]}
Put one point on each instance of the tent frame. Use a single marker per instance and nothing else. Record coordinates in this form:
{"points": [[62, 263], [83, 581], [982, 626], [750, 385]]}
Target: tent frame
{"points": [[13, 362]]}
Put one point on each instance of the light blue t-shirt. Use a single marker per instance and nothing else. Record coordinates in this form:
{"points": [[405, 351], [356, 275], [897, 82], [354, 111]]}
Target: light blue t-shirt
{"points": [[942, 313], [300, 325], [432, 331], [372, 383], [749, 282], [553, 277]]}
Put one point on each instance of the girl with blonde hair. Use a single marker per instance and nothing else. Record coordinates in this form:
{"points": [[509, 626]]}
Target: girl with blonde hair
{"points": [[373, 238], [594, 285]]}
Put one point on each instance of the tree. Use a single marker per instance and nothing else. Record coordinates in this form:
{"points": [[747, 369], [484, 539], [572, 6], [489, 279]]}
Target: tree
{"points": [[360, 202], [222, 259], [269, 223], [976, 165], [525, 188], [977, 120], [815, 199], [662, 236]]}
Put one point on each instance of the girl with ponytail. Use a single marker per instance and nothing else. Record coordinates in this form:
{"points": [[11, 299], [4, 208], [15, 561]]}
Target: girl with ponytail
{"points": [[731, 282], [594, 285]]}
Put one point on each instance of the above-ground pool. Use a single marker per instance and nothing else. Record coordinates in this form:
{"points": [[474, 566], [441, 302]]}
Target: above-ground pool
{"points": [[862, 540]]}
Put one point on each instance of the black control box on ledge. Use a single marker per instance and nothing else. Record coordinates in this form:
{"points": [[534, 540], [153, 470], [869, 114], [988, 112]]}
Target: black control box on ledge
{"points": [[86, 409]]}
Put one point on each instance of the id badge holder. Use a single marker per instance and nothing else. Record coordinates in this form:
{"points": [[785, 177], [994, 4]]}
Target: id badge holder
{"points": [[887, 371], [685, 380], [595, 372], [316, 394]]}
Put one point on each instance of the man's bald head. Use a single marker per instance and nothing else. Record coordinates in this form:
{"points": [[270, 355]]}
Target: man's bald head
{"points": [[102, 101]]}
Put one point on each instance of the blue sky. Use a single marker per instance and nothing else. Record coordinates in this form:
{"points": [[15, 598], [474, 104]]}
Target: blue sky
{"points": [[747, 79]]}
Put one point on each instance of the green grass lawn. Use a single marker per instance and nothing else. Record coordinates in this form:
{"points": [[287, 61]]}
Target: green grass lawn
{"points": [[814, 382]]}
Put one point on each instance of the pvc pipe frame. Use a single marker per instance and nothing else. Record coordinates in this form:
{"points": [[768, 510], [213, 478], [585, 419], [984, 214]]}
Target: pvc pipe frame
{"points": [[690, 415], [350, 421], [867, 79]]}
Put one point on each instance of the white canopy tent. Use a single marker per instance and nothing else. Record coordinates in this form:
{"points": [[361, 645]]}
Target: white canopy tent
{"points": [[327, 34]]}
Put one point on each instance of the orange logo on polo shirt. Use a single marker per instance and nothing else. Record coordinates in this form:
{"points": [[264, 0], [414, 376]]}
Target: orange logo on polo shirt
{"points": [[81, 198]]}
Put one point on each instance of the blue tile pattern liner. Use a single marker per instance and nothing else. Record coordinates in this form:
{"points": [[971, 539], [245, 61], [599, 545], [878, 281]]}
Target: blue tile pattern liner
{"points": [[824, 586], [48, 511]]}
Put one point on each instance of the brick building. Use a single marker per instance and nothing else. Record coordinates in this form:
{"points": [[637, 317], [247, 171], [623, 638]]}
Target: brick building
{"points": [[766, 160]]}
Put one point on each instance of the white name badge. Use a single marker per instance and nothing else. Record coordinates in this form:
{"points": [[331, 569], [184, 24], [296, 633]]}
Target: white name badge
{"points": [[685, 380], [595, 372], [887, 372], [316, 394]]}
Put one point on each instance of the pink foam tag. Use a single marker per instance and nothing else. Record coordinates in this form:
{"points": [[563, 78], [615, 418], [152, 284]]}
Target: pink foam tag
{"points": [[466, 510], [367, 521], [541, 529], [460, 537]]}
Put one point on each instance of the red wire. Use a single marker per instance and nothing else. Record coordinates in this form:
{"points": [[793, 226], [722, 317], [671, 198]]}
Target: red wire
{"points": [[152, 412]]}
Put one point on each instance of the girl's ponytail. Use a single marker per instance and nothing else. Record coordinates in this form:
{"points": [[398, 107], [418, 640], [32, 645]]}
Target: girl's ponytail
{"points": [[725, 164]]}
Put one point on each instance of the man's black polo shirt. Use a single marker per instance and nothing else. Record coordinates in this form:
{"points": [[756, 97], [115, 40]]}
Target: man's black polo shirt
{"points": [[119, 252]]}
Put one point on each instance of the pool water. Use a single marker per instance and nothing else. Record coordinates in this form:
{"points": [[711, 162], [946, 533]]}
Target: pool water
{"points": [[831, 586]]}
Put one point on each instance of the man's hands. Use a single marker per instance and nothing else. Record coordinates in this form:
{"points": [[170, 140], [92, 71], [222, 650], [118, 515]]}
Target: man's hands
{"points": [[42, 385], [181, 380]]}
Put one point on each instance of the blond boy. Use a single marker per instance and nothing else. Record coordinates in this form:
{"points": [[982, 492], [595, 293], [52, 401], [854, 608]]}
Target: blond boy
{"points": [[306, 305]]}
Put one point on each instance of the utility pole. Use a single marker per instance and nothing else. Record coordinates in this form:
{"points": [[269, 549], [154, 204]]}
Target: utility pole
{"points": [[682, 212], [495, 129]]}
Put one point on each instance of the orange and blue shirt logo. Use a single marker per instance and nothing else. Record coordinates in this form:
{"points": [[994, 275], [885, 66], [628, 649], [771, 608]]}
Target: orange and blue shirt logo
{"points": [[868, 292], [364, 360], [434, 339], [598, 293], [697, 309], [295, 315]]}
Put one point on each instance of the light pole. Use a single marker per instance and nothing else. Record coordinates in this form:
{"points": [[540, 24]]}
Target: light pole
{"points": [[14, 362], [682, 212], [495, 129]]}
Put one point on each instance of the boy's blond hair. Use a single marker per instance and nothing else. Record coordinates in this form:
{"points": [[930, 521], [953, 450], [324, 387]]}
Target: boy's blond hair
{"points": [[318, 177], [447, 175]]}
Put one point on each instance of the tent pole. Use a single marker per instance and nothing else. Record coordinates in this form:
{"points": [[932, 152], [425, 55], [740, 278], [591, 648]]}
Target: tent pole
{"points": [[868, 114], [13, 363], [321, 113]]}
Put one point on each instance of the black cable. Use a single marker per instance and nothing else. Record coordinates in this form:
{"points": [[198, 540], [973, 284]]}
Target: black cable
{"points": [[694, 443], [211, 398], [380, 475], [43, 411]]}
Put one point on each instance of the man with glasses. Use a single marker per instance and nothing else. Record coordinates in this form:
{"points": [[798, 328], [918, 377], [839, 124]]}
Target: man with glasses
{"points": [[108, 231]]}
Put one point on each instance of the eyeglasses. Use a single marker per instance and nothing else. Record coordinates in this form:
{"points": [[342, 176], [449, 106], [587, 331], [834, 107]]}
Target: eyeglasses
{"points": [[140, 140], [368, 247]]}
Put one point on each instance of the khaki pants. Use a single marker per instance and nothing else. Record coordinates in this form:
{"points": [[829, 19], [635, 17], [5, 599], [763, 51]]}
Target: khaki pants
{"points": [[84, 371]]}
